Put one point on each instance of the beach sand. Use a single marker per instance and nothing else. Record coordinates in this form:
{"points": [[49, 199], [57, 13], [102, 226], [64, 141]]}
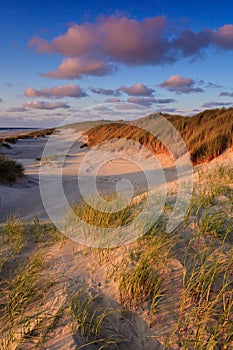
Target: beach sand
{"points": [[72, 265], [24, 199]]}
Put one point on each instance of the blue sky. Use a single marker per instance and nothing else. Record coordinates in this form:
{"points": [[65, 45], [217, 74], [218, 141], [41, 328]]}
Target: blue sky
{"points": [[58, 57]]}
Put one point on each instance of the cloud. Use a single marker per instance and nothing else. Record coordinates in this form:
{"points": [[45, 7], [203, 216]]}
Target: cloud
{"points": [[147, 102], [189, 43], [70, 90], [180, 84], [164, 100], [132, 42], [1, 100], [75, 68], [216, 104], [45, 105], [8, 84], [224, 37], [120, 39], [213, 85], [103, 91], [136, 90], [113, 100], [167, 110], [224, 93], [17, 109]]}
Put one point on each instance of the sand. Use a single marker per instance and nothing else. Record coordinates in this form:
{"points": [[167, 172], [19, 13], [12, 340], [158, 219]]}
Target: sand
{"points": [[72, 265], [24, 199]]}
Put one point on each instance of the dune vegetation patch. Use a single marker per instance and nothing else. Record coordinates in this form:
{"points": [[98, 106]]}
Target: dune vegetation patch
{"points": [[10, 170], [28, 135], [162, 291], [206, 134]]}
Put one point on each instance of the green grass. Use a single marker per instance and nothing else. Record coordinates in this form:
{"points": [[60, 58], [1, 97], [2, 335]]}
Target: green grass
{"points": [[206, 307], [10, 170], [14, 233], [194, 311], [91, 321], [22, 289]]}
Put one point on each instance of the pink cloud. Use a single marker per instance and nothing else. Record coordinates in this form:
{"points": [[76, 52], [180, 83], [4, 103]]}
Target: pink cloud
{"points": [[180, 84], [147, 102], [45, 105], [70, 90], [17, 109], [224, 36], [132, 42], [118, 39], [74, 68], [113, 100], [136, 90]]}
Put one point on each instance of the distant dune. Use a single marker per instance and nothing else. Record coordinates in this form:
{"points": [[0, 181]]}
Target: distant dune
{"points": [[206, 134]]}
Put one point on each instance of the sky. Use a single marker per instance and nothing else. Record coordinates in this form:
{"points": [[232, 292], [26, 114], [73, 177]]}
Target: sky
{"points": [[64, 58]]}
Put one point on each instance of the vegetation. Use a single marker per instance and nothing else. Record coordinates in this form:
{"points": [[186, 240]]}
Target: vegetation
{"points": [[28, 135], [91, 320], [206, 134], [181, 284], [10, 170]]}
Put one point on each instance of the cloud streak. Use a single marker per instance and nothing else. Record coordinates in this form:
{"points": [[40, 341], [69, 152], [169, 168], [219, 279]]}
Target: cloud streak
{"points": [[149, 101], [225, 93], [216, 104], [113, 100], [103, 91], [17, 109], [45, 105], [70, 90]]}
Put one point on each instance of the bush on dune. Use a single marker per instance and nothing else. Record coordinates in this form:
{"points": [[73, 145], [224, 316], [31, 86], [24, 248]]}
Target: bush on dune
{"points": [[10, 170]]}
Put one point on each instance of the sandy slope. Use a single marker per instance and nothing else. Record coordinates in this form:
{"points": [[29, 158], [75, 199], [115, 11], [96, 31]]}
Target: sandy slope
{"points": [[72, 265], [24, 197]]}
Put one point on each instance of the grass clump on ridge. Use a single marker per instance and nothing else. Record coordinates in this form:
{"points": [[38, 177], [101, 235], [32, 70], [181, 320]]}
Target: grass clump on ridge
{"points": [[21, 291], [10, 170], [94, 323]]}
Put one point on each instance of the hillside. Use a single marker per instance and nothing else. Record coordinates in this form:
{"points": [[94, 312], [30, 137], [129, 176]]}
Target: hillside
{"points": [[206, 134]]}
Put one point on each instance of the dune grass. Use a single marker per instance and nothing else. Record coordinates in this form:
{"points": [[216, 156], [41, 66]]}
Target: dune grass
{"points": [[206, 134], [28, 135], [196, 311], [92, 321], [22, 289], [10, 170]]}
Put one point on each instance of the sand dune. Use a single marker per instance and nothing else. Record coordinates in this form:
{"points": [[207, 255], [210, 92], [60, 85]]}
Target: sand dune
{"points": [[24, 197], [72, 266]]}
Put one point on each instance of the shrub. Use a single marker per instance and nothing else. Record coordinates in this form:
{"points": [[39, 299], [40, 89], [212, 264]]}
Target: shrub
{"points": [[10, 170]]}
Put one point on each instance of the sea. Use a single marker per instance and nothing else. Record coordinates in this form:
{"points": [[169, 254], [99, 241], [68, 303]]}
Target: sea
{"points": [[17, 129]]}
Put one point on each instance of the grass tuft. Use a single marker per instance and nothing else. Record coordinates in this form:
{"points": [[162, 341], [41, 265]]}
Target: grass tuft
{"points": [[10, 170]]}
